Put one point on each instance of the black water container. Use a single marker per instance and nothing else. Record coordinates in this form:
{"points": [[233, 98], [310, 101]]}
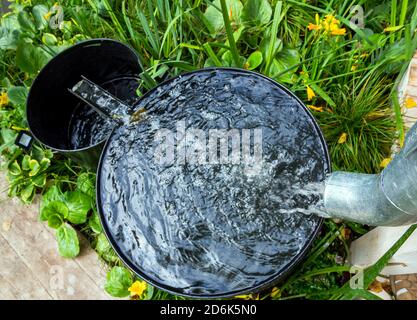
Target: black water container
{"points": [[59, 120], [212, 229]]}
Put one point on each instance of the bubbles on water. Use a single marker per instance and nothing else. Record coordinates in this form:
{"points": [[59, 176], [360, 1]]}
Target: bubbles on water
{"points": [[87, 127]]}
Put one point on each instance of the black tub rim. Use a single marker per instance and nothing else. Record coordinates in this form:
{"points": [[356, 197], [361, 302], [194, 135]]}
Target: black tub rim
{"points": [[267, 283], [69, 50]]}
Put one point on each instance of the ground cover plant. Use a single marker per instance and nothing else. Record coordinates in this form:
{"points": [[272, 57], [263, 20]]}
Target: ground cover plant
{"points": [[342, 58]]}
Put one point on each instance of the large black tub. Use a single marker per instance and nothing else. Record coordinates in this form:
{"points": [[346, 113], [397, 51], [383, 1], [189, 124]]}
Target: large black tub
{"points": [[233, 219]]}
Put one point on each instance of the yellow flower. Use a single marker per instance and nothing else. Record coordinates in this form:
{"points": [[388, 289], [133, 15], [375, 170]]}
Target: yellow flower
{"points": [[342, 138], [276, 293], [248, 297], [137, 288], [410, 103], [319, 109], [46, 16], [310, 93], [338, 31], [4, 99], [385, 162], [330, 25], [313, 26], [354, 67], [330, 19], [316, 26]]}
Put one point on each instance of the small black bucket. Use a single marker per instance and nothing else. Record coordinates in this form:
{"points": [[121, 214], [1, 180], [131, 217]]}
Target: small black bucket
{"points": [[58, 119]]}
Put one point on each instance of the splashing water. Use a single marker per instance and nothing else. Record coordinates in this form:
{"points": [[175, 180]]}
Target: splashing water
{"points": [[87, 127]]}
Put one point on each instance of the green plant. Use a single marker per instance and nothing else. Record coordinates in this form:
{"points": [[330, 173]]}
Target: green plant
{"points": [[27, 176]]}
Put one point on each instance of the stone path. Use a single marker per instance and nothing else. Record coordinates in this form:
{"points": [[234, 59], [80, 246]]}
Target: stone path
{"points": [[30, 266]]}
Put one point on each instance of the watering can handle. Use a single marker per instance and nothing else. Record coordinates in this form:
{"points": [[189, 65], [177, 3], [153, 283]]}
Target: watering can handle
{"points": [[100, 100]]}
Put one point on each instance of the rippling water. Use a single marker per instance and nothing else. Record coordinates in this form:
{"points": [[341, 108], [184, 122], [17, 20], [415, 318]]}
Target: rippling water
{"points": [[87, 127], [213, 229]]}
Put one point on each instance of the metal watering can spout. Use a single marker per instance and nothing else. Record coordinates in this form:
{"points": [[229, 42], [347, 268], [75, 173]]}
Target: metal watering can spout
{"points": [[385, 199]]}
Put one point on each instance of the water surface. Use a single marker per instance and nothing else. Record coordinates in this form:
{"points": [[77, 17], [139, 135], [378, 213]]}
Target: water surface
{"points": [[213, 229]]}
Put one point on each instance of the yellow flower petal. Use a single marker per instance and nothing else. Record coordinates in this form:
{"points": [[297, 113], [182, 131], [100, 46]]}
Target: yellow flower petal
{"points": [[342, 138], [310, 93], [385, 162], [339, 32], [313, 26], [410, 103], [4, 99], [354, 67], [319, 109], [275, 292], [137, 288], [46, 16], [248, 297]]}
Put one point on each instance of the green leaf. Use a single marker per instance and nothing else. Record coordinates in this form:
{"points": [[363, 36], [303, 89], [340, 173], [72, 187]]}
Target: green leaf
{"points": [[258, 12], [323, 94], [269, 57], [149, 292], [78, 205], [266, 40], [53, 194], [285, 59], [26, 22], [68, 245], [49, 39], [9, 32], [9, 137], [105, 250], [55, 221], [94, 223], [39, 11], [14, 168], [55, 208], [39, 180], [228, 61], [18, 95], [254, 60], [30, 58], [25, 163], [28, 193], [86, 184], [34, 167], [214, 16], [45, 163], [13, 190], [118, 282]]}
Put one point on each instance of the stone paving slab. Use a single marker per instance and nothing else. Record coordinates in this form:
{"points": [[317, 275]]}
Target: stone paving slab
{"points": [[30, 266]]}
